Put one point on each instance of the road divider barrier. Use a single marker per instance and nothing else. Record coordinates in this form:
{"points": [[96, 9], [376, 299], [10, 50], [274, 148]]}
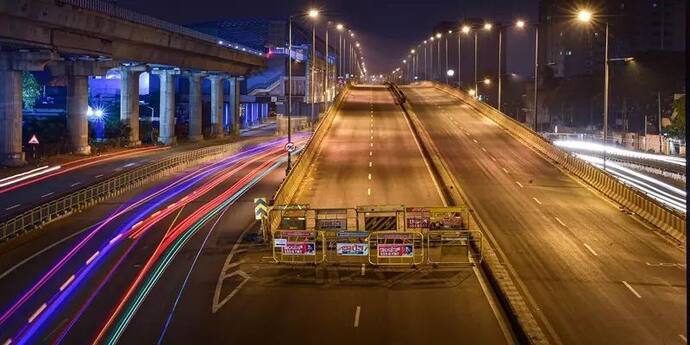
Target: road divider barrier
{"points": [[418, 235], [669, 220], [88, 196]]}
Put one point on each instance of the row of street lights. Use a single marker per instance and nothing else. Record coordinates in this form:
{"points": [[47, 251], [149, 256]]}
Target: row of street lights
{"points": [[582, 16], [355, 59]]}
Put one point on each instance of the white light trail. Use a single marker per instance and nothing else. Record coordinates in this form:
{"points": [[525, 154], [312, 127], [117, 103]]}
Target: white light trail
{"points": [[663, 192], [615, 151], [27, 175]]}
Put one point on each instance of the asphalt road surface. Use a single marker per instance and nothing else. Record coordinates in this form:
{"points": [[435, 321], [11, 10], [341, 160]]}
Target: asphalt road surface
{"points": [[75, 175], [593, 274]]}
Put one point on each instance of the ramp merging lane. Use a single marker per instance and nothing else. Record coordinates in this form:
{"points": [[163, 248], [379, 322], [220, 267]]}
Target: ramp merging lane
{"points": [[594, 274]]}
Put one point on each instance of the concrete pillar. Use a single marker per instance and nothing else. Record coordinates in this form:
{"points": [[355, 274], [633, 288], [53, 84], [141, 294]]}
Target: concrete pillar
{"points": [[234, 102], [195, 123], [77, 107], [217, 106], [166, 134], [11, 66], [129, 101], [11, 118]]}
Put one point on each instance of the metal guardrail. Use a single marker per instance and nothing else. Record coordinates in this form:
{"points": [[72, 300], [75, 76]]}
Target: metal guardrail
{"points": [[76, 201], [132, 16], [665, 218]]}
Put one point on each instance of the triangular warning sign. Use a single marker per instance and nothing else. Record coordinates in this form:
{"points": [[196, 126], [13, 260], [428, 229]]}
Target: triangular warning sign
{"points": [[33, 140]]}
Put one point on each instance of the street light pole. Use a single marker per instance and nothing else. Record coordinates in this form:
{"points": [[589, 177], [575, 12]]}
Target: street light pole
{"points": [[289, 111], [536, 76], [446, 42], [459, 58], [500, 78], [606, 90], [431, 57], [313, 69], [476, 88]]}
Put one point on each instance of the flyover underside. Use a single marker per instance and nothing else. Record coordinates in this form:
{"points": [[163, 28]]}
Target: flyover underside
{"points": [[595, 274]]}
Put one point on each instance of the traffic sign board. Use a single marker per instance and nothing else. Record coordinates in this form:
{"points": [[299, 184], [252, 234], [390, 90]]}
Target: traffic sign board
{"points": [[290, 147], [33, 140], [260, 208]]}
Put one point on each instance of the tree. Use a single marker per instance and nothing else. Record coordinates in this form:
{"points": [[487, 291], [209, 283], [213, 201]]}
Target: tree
{"points": [[30, 90], [677, 127]]}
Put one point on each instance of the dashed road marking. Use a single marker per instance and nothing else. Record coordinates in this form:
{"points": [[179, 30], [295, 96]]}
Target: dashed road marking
{"points": [[357, 312], [493, 158], [75, 184], [631, 289], [371, 153], [47, 195], [519, 184], [683, 338], [590, 249], [537, 200], [97, 176], [369, 191], [11, 207], [504, 169], [475, 140], [560, 221], [370, 164], [369, 176]]}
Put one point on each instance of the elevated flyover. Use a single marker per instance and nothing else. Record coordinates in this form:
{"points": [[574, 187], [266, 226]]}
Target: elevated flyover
{"points": [[366, 156], [591, 273]]}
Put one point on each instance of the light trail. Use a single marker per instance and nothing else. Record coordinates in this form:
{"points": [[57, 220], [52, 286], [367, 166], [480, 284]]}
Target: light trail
{"points": [[615, 151], [175, 241], [73, 165], [663, 192], [191, 179], [181, 183]]}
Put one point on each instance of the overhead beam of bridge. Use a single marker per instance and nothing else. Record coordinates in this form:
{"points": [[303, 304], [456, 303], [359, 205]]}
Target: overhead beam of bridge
{"points": [[68, 29]]}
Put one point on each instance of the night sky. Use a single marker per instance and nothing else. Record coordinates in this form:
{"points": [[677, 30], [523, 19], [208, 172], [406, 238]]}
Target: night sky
{"points": [[386, 28]]}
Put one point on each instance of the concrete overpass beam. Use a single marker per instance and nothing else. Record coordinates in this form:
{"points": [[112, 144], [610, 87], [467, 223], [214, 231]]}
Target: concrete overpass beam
{"points": [[129, 101], [11, 66], [234, 102], [217, 105], [167, 106], [195, 122]]}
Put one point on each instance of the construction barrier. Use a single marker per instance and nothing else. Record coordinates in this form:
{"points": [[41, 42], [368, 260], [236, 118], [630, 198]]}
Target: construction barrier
{"points": [[298, 246]]}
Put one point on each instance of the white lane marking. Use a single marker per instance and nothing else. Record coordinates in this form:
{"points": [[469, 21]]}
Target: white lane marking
{"points": [[357, 312], [371, 144], [560, 221], [97, 176], [75, 184], [493, 158], [11, 207], [363, 269], [369, 191], [8, 341], [46, 195], [67, 282], [590, 249], [372, 137], [37, 312], [631, 289], [519, 184], [92, 257], [475, 140], [537, 200], [227, 266], [683, 338], [504, 169], [370, 164], [483, 149], [369, 176], [371, 153]]}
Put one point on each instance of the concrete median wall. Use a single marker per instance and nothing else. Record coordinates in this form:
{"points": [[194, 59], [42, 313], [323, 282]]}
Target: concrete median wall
{"points": [[665, 218]]}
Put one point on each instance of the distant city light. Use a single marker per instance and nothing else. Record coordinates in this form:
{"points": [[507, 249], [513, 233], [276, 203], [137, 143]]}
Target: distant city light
{"points": [[450, 72], [95, 113]]}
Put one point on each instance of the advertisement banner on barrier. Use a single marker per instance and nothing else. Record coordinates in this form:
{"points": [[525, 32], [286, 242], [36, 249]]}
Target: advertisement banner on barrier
{"points": [[299, 248], [280, 242], [352, 249], [395, 250]]}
